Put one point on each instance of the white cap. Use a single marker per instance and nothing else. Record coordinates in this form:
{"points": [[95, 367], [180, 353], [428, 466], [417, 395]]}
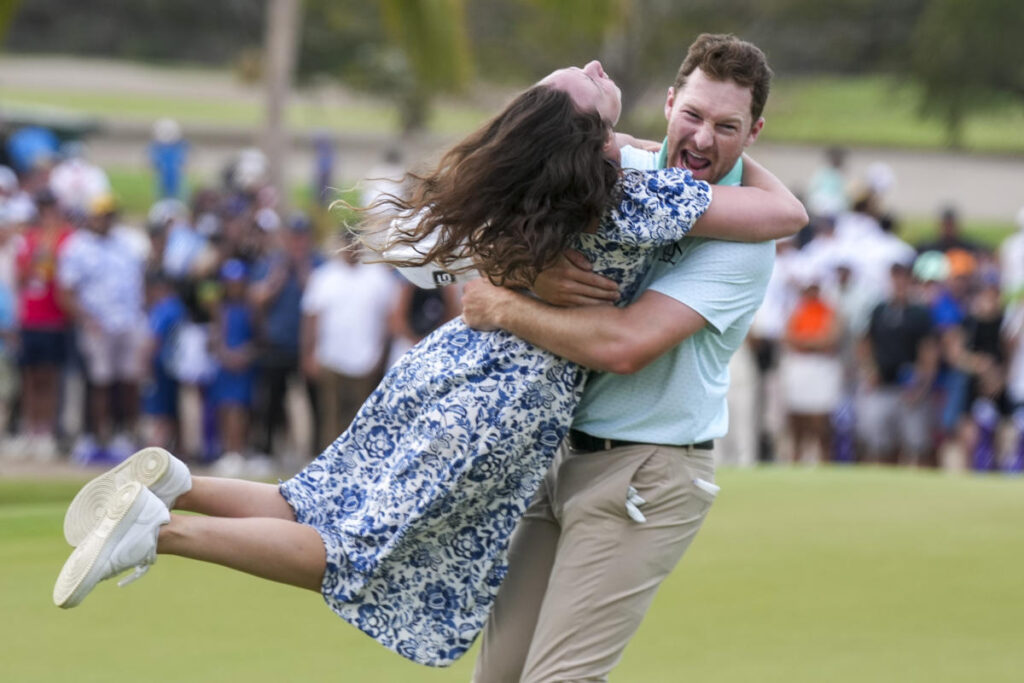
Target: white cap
{"points": [[166, 131]]}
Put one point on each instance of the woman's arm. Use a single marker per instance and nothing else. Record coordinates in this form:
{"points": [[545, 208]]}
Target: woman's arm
{"points": [[763, 209]]}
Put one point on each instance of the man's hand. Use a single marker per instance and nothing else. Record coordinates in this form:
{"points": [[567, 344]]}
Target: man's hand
{"points": [[481, 303], [570, 282]]}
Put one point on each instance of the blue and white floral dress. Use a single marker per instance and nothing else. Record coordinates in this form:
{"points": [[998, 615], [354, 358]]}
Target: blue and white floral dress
{"points": [[416, 501]]}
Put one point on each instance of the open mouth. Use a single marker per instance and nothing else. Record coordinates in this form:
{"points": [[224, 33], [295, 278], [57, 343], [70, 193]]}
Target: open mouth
{"points": [[693, 161]]}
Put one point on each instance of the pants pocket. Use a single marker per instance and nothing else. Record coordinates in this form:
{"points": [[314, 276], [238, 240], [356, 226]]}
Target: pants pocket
{"points": [[705, 490]]}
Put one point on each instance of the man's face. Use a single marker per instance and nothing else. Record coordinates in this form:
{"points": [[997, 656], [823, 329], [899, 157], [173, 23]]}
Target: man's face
{"points": [[101, 223], [709, 126], [590, 89]]}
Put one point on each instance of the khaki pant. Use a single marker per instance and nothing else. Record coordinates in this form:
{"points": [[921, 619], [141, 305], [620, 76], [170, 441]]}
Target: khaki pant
{"points": [[340, 398], [583, 571]]}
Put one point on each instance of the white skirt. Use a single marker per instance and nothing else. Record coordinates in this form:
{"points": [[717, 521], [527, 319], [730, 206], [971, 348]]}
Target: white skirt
{"points": [[812, 383]]}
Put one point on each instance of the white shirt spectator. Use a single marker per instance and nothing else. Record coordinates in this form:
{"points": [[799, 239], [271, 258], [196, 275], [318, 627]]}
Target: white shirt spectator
{"points": [[106, 274], [352, 303]]}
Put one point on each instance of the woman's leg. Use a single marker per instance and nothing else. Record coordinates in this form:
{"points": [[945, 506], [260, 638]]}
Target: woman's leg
{"points": [[222, 497], [274, 549]]}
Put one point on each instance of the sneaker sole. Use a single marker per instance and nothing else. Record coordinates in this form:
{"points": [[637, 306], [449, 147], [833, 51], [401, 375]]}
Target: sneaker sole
{"points": [[90, 505], [68, 591]]}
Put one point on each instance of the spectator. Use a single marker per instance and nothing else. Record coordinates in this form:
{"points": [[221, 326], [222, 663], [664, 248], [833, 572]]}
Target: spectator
{"points": [[417, 313], [1011, 262], [11, 245], [977, 352], [8, 375], [826, 192], [276, 296], [44, 326], [811, 370], [167, 315], [766, 332], [323, 169], [232, 338], [1013, 336], [950, 236], [899, 357], [344, 337], [100, 275], [167, 154]]}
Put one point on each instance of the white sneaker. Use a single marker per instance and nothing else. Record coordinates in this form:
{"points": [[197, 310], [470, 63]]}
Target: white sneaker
{"points": [[43, 448], [166, 476], [231, 465], [17, 448], [124, 538], [122, 447]]}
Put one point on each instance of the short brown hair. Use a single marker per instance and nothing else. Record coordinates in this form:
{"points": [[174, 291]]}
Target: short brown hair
{"points": [[724, 57]]}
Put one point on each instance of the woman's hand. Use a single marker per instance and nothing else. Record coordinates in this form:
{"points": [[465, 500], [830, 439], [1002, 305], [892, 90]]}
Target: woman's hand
{"points": [[570, 282]]}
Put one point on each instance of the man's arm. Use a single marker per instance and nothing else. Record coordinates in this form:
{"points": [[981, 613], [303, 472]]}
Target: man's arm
{"points": [[606, 338]]}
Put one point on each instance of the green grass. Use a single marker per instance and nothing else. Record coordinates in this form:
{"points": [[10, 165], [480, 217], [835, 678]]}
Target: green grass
{"points": [[855, 110], [801, 575], [878, 110], [368, 116]]}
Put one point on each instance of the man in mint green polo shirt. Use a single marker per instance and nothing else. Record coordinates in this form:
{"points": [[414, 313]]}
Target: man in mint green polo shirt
{"points": [[618, 510]]}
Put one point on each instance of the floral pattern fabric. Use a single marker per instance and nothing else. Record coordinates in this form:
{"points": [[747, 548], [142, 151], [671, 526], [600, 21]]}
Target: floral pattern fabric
{"points": [[417, 500]]}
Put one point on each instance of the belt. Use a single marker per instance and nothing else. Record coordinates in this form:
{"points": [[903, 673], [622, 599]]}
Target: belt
{"points": [[581, 441]]}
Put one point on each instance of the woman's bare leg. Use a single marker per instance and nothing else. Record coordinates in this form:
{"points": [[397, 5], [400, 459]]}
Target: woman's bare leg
{"points": [[222, 497], [274, 549]]}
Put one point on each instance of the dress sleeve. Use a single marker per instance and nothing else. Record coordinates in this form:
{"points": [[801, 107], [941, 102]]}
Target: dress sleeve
{"points": [[656, 207]]}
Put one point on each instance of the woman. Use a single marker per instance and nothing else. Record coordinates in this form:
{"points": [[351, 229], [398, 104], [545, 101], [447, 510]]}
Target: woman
{"points": [[402, 524]]}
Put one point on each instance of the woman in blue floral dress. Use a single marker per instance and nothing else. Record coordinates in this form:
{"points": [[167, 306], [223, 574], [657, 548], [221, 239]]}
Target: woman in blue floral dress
{"points": [[403, 523]]}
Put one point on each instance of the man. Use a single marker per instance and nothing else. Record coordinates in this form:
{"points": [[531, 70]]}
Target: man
{"points": [[616, 512], [346, 309], [279, 280], [900, 349], [100, 276]]}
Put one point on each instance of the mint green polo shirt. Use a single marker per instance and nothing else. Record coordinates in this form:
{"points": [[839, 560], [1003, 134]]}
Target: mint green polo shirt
{"points": [[680, 398]]}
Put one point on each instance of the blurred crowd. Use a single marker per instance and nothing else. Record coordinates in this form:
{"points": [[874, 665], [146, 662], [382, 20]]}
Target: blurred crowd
{"points": [[246, 337], [871, 349], [233, 332]]}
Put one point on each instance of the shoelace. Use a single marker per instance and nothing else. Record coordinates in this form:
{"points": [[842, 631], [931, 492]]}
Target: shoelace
{"points": [[135, 575]]}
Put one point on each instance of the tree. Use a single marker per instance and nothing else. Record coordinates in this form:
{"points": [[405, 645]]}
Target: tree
{"points": [[408, 50], [7, 11], [967, 55], [431, 35]]}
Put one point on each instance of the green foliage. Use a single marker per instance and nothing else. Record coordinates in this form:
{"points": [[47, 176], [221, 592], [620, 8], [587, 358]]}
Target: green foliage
{"points": [[8, 8], [966, 54]]}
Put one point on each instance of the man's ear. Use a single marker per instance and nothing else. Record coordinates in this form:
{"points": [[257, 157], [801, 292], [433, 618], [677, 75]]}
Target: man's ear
{"points": [[670, 100], [755, 130]]}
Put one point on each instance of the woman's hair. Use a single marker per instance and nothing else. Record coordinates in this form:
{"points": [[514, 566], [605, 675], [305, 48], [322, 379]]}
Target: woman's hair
{"points": [[513, 194]]}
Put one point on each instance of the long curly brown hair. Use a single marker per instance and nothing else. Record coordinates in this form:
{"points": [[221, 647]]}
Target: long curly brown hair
{"points": [[513, 194]]}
